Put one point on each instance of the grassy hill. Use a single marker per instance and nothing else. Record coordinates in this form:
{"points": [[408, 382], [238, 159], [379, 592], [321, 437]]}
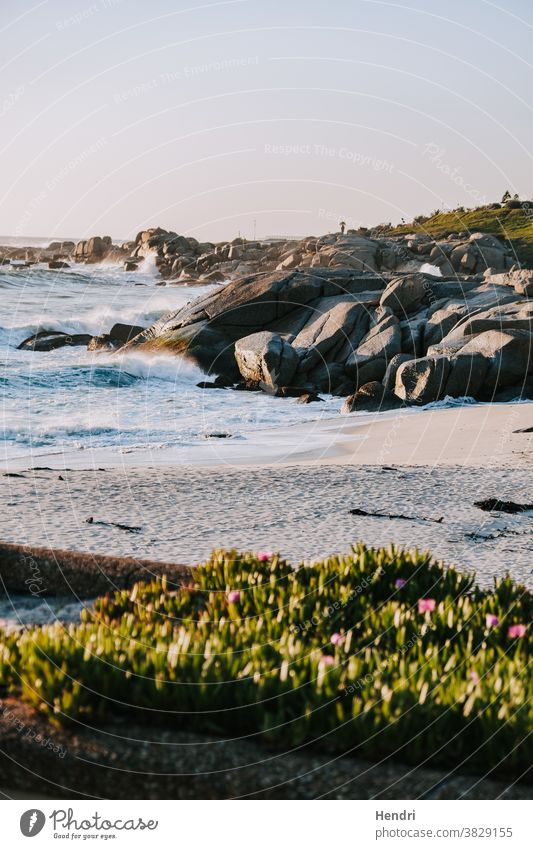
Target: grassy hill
{"points": [[513, 225]]}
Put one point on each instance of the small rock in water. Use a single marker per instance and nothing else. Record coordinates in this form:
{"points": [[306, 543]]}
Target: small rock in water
{"points": [[49, 340], [309, 398]]}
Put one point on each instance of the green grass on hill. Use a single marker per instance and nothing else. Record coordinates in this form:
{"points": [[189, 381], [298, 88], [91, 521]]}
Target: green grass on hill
{"points": [[380, 653], [513, 225]]}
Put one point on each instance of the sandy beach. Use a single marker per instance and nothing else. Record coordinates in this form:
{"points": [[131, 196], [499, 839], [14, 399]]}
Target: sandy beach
{"points": [[293, 490]]}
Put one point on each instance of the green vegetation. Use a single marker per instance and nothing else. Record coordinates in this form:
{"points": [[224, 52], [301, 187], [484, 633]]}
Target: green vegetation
{"points": [[513, 225], [379, 653]]}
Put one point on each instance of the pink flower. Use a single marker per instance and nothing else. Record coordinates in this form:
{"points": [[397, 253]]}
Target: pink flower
{"points": [[336, 639], [263, 556], [426, 605], [474, 676], [399, 583], [491, 620], [234, 596], [327, 660], [517, 631]]}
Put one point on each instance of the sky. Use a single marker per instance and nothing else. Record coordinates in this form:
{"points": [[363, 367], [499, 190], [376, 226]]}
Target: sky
{"points": [[258, 117]]}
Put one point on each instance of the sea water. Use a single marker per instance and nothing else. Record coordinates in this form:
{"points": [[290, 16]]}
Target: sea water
{"points": [[71, 400]]}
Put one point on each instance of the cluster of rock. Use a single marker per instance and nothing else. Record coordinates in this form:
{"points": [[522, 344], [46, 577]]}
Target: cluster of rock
{"points": [[50, 340], [381, 321], [185, 260], [56, 254], [381, 340]]}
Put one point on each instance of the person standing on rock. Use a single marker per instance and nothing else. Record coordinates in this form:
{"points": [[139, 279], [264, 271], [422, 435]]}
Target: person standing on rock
{"points": [[342, 225]]}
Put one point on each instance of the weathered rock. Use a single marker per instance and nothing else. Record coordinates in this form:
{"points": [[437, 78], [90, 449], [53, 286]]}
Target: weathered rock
{"points": [[309, 398], [289, 262], [49, 340], [369, 372], [332, 321], [57, 264], [442, 320], [335, 329], [266, 357], [325, 377], [519, 392], [125, 332], [104, 342], [521, 280], [382, 342], [422, 381], [371, 398], [351, 251], [93, 250], [389, 380], [467, 375], [510, 355], [412, 334], [119, 335], [404, 294], [214, 276], [480, 252]]}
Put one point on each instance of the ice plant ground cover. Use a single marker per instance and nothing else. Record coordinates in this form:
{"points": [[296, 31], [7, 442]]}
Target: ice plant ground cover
{"points": [[382, 652]]}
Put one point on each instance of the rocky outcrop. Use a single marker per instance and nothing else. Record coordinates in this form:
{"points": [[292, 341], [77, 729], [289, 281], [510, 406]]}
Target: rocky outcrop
{"points": [[183, 260], [344, 331], [339, 314], [92, 250]]}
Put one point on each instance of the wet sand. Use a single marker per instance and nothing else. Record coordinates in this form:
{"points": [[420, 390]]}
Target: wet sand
{"points": [[426, 467]]}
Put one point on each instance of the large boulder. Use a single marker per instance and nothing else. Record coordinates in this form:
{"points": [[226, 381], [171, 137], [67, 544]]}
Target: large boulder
{"points": [[93, 250], [382, 342], [347, 251], [282, 303], [484, 310], [442, 320], [389, 378], [510, 356], [466, 376], [332, 321], [404, 294], [422, 381], [480, 252], [266, 357]]}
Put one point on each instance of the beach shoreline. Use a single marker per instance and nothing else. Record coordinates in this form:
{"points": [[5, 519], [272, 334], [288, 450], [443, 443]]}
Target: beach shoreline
{"points": [[416, 477], [465, 435]]}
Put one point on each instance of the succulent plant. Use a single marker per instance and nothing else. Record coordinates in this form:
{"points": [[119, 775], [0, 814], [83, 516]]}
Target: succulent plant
{"points": [[380, 652]]}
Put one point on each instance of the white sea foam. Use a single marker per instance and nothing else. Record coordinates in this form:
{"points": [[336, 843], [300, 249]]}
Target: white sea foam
{"points": [[427, 268]]}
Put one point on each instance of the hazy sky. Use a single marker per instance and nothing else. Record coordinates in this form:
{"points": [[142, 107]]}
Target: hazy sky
{"points": [[203, 117]]}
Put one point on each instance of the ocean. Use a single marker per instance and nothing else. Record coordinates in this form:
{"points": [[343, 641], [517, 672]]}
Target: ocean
{"points": [[74, 400]]}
